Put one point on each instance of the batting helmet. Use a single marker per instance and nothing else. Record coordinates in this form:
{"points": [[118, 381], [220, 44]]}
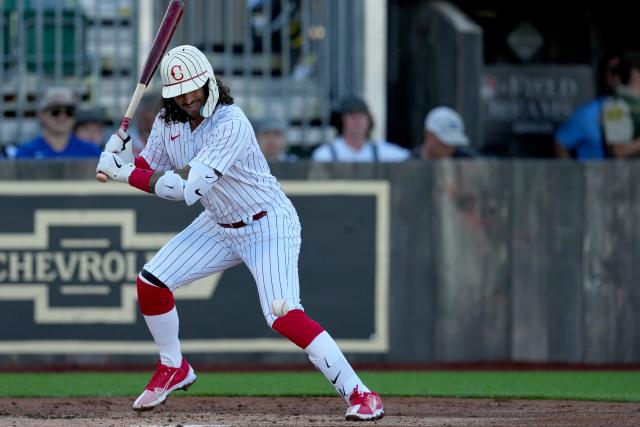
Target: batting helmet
{"points": [[185, 69]]}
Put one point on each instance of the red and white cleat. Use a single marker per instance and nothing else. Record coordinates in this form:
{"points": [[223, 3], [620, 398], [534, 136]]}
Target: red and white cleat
{"points": [[164, 381], [366, 406]]}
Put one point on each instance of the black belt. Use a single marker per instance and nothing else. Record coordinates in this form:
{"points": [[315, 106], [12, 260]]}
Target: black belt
{"points": [[241, 224]]}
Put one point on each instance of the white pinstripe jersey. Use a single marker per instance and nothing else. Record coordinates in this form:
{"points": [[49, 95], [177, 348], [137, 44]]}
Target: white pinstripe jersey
{"points": [[226, 142]]}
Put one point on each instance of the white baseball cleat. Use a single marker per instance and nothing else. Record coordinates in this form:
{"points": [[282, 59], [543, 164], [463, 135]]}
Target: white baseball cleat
{"points": [[366, 406], [165, 380]]}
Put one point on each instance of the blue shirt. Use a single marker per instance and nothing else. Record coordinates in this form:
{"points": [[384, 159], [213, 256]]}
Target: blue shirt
{"points": [[583, 131], [39, 149]]}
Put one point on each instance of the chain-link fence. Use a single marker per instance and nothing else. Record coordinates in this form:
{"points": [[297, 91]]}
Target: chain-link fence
{"points": [[87, 45], [288, 59]]}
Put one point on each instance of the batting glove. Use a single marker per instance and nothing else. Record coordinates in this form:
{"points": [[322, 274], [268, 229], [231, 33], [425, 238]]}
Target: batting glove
{"points": [[120, 143], [115, 167]]}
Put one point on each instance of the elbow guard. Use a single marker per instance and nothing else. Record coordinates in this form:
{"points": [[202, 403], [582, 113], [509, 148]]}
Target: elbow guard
{"points": [[200, 181], [170, 186]]}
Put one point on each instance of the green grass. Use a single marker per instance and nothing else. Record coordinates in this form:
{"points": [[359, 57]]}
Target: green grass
{"points": [[621, 386]]}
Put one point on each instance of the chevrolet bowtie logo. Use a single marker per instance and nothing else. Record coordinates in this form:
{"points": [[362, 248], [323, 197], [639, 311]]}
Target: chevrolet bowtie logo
{"points": [[38, 267]]}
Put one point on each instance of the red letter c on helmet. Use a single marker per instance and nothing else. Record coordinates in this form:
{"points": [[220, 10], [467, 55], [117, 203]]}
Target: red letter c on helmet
{"points": [[177, 76]]}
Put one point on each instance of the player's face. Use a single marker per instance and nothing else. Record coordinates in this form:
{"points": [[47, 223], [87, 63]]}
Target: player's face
{"points": [[191, 102]]}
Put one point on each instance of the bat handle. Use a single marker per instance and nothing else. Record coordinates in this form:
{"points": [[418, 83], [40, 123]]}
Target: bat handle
{"points": [[125, 123], [102, 177]]}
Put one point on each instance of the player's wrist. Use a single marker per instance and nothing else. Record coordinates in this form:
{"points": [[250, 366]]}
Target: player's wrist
{"points": [[139, 178]]}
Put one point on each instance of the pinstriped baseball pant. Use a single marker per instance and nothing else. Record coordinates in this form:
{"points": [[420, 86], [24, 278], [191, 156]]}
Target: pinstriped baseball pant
{"points": [[269, 247]]}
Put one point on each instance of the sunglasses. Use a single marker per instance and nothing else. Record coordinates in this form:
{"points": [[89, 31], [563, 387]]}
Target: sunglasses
{"points": [[57, 111]]}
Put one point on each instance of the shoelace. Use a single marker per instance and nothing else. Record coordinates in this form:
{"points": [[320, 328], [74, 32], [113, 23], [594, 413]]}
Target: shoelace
{"points": [[356, 397]]}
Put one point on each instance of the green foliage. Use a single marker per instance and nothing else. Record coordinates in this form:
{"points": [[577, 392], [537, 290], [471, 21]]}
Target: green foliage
{"points": [[622, 386]]}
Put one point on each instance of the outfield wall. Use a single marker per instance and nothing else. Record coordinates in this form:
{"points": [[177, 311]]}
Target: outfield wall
{"points": [[418, 262]]}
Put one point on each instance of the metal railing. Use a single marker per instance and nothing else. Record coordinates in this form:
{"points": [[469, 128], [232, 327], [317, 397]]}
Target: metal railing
{"points": [[89, 46], [291, 59]]}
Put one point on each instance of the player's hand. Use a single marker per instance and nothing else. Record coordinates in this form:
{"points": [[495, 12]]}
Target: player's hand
{"points": [[120, 143], [115, 167]]}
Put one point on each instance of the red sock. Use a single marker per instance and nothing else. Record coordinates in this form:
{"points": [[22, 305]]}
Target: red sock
{"points": [[298, 327], [154, 300]]}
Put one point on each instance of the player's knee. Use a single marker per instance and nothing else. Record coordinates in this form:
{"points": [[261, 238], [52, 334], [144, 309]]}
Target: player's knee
{"points": [[154, 297], [298, 327]]}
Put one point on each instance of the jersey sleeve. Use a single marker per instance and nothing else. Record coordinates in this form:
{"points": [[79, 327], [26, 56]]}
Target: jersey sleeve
{"points": [[617, 122], [155, 152], [225, 144]]}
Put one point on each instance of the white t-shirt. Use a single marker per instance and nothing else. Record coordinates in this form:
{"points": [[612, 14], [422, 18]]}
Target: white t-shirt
{"points": [[381, 151]]}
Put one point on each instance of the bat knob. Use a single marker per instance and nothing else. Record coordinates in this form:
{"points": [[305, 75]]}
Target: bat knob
{"points": [[102, 177]]}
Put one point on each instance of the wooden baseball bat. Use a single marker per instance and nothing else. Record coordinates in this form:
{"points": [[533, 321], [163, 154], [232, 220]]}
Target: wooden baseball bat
{"points": [[158, 48]]}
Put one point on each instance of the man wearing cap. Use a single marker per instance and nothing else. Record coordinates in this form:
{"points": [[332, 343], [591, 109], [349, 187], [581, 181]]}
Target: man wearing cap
{"points": [[354, 124], [56, 113], [271, 135], [444, 136]]}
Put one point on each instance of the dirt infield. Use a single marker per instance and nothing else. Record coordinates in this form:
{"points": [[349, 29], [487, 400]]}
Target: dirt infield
{"points": [[229, 411]]}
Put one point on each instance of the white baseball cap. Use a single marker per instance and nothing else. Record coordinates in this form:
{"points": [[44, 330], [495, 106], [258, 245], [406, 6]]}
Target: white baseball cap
{"points": [[57, 97], [185, 69], [447, 125]]}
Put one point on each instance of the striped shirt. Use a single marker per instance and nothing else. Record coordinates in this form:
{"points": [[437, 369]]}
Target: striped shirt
{"points": [[226, 142]]}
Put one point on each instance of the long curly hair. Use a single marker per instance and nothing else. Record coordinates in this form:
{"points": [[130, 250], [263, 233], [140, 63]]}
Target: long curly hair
{"points": [[172, 113]]}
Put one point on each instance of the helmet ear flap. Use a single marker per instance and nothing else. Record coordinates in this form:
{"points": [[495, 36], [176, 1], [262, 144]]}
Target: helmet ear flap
{"points": [[212, 98]]}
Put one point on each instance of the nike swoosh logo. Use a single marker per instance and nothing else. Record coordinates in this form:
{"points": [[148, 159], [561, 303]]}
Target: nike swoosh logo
{"points": [[173, 137], [208, 177], [166, 385], [169, 186], [198, 192], [326, 363], [342, 392], [333, 381], [115, 160]]}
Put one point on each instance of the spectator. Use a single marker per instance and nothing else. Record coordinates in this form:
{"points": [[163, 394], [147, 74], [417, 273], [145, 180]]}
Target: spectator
{"points": [[581, 135], [621, 112], [271, 136], [444, 136], [91, 124], [56, 113], [353, 144], [143, 120]]}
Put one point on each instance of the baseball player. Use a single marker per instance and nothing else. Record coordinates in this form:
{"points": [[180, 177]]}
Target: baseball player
{"points": [[202, 148]]}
